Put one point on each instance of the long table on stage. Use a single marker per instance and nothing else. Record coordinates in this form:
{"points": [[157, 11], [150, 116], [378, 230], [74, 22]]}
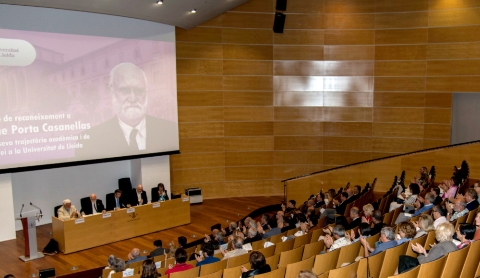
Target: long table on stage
{"points": [[95, 230]]}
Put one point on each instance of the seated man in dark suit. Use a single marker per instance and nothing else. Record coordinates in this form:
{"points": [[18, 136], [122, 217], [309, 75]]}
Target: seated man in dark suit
{"points": [[471, 198], [95, 206], [159, 250], [356, 220], [139, 196], [116, 201]]}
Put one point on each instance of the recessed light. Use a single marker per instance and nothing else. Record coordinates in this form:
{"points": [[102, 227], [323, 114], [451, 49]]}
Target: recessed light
{"points": [[159, 2], [193, 11]]}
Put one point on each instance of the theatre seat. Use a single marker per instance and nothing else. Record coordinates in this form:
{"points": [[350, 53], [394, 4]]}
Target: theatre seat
{"points": [[55, 210]]}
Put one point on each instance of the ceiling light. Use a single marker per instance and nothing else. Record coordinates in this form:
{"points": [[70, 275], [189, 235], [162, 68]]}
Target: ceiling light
{"points": [[159, 2], [193, 11]]}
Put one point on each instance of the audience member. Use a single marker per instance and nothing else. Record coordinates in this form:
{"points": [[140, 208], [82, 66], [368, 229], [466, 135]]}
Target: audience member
{"points": [[110, 261], [459, 209], [118, 266], [428, 204], [338, 239], [443, 235], [67, 211], [252, 236], [436, 193], [439, 213], [180, 259], [424, 225], [407, 198], [275, 228], [387, 239], [406, 231], [237, 249], [9, 276], [258, 263], [364, 230], [465, 234], [208, 258], [477, 225], [477, 189], [306, 274], [159, 250], [471, 199], [367, 213], [134, 256], [264, 221], [377, 222], [149, 269], [355, 216], [319, 200], [449, 189]]}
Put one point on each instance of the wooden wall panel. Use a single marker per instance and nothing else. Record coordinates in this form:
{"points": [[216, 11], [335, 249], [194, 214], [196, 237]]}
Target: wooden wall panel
{"points": [[248, 129], [454, 17], [298, 157], [235, 67], [401, 20], [349, 52], [347, 81], [257, 143], [400, 68], [362, 144], [347, 129], [341, 37], [248, 98], [301, 114], [298, 98], [401, 36], [248, 114], [401, 130], [399, 99], [298, 128], [197, 160], [302, 21], [248, 158], [399, 115], [349, 21]]}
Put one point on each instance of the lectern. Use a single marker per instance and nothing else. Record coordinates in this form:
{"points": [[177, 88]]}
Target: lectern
{"points": [[30, 235]]}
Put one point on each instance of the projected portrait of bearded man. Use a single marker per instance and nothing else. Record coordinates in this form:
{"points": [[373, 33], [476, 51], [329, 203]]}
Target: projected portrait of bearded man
{"points": [[132, 131]]}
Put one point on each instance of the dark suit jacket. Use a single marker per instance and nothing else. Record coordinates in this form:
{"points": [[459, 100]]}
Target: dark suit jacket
{"points": [[155, 195], [88, 208], [472, 205], [158, 252], [107, 139], [340, 209], [354, 223], [111, 202], [134, 199]]}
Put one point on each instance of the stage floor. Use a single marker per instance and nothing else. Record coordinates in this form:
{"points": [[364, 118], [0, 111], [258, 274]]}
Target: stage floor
{"points": [[203, 216]]}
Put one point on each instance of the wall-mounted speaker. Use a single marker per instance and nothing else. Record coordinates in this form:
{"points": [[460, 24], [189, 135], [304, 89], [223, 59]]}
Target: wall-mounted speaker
{"points": [[279, 22], [281, 5]]}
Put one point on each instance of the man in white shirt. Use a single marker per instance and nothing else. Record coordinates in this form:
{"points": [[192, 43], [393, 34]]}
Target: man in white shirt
{"points": [[338, 234], [238, 249], [459, 209], [439, 214]]}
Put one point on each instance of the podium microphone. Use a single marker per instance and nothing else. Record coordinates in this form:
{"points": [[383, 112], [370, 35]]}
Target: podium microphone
{"points": [[21, 210], [41, 214]]}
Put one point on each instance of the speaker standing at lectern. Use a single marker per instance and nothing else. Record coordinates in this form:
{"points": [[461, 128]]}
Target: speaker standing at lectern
{"points": [[67, 211]]}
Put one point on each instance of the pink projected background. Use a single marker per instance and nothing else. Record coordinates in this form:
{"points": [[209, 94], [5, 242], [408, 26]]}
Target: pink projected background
{"points": [[67, 85]]}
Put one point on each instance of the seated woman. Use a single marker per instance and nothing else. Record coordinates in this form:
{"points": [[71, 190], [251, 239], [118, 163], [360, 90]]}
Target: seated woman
{"points": [[424, 225], [118, 266], [367, 213], [465, 233], [149, 269], [406, 231], [477, 224], [407, 198], [161, 195], [443, 235], [180, 259], [258, 264]]}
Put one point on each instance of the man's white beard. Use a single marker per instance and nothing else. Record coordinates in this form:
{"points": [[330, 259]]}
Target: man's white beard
{"points": [[130, 113]]}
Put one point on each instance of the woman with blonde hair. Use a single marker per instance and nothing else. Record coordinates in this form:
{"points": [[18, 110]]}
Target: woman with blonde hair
{"points": [[367, 213], [424, 225]]}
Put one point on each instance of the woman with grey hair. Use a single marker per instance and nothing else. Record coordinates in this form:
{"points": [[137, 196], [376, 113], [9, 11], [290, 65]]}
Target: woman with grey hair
{"points": [[117, 266]]}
